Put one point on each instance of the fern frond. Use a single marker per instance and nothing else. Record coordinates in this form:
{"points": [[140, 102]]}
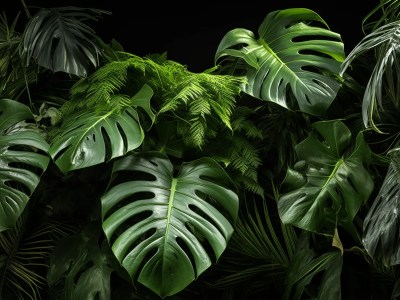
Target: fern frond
{"points": [[197, 135], [241, 122], [250, 182], [199, 108], [244, 155]]}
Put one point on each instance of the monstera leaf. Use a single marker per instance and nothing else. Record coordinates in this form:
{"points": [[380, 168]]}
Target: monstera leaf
{"points": [[331, 181], [95, 136], [59, 39], [381, 235], [166, 226], [290, 57], [80, 267], [23, 159]]}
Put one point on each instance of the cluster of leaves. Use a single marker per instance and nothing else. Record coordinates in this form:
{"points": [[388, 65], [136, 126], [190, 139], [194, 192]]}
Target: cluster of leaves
{"points": [[133, 178]]}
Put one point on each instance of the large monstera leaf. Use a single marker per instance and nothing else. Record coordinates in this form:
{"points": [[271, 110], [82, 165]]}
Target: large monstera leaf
{"points": [[330, 182], [23, 159], [90, 137], [290, 58], [166, 226], [59, 39], [381, 235]]}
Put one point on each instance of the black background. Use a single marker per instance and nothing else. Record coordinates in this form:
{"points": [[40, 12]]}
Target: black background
{"points": [[190, 31]]}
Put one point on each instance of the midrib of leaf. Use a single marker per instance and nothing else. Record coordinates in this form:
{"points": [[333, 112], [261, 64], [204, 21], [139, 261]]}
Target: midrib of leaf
{"points": [[283, 64], [338, 164], [170, 205], [93, 125]]}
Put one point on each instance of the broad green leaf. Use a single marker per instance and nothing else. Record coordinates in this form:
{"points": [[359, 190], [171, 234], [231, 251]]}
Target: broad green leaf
{"points": [[291, 57], [60, 39], [380, 233], [337, 180], [23, 159], [166, 227], [82, 266], [305, 266], [91, 137]]}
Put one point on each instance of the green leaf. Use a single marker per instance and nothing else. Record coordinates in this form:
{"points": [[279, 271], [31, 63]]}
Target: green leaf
{"points": [[258, 254], [304, 268], [23, 159], [165, 229], [91, 137], [60, 40], [81, 266], [290, 57], [337, 184], [380, 232], [383, 84]]}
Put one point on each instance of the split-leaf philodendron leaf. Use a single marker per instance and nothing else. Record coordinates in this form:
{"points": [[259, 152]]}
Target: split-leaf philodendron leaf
{"points": [[335, 182], [23, 159], [291, 56], [166, 226], [90, 137]]}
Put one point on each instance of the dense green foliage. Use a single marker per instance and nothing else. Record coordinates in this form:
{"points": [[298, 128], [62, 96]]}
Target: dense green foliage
{"points": [[273, 174]]}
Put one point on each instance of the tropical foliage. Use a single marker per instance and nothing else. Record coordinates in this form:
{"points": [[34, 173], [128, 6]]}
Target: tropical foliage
{"points": [[273, 172]]}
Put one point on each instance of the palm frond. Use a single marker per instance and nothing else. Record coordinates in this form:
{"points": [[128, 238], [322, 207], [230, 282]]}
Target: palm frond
{"points": [[258, 254], [385, 12], [383, 82], [24, 254], [14, 76]]}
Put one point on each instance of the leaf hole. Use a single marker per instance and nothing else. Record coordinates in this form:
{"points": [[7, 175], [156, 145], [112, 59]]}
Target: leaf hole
{"points": [[13, 184], [142, 196], [107, 143], [186, 249], [127, 176], [61, 152], [123, 136], [128, 223], [212, 202]]}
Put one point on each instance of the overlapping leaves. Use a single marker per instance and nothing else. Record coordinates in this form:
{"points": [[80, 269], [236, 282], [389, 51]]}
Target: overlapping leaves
{"points": [[330, 182], [91, 137]]}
